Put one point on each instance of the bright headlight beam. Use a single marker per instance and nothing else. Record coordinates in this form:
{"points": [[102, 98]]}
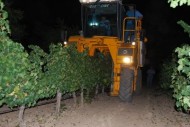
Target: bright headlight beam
{"points": [[65, 42], [127, 60], [93, 1]]}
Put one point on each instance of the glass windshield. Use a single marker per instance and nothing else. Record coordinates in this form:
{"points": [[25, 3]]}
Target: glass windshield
{"points": [[100, 19]]}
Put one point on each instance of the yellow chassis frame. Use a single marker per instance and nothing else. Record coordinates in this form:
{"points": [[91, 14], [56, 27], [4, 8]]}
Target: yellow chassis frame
{"points": [[111, 44]]}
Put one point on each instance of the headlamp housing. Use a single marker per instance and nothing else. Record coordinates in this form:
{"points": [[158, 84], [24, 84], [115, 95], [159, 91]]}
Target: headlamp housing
{"points": [[93, 1], [128, 60]]}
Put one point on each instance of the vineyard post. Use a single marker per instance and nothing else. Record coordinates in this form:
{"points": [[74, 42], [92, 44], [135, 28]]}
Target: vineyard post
{"points": [[82, 96], [74, 98], [58, 104], [97, 89], [21, 116]]}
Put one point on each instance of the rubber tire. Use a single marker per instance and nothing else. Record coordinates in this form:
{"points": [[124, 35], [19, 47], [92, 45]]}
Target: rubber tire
{"points": [[126, 85], [139, 82]]}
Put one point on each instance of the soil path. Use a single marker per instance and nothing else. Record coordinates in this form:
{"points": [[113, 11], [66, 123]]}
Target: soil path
{"points": [[153, 108]]}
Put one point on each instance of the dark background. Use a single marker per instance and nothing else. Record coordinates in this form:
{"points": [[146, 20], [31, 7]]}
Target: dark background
{"points": [[43, 21]]}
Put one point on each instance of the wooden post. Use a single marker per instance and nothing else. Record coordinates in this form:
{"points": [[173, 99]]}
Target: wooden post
{"points": [[82, 97], [74, 98], [21, 116], [58, 104]]}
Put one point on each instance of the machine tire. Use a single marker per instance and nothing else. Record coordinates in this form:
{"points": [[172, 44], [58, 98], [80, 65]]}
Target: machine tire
{"points": [[126, 84], [138, 82]]}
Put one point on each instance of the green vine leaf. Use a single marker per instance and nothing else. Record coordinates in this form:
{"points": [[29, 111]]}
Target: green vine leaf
{"points": [[185, 26], [175, 3], [186, 101]]}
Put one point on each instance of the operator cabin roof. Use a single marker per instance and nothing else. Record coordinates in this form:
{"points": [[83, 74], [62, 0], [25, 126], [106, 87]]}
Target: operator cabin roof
{"points": [[93, 1]]}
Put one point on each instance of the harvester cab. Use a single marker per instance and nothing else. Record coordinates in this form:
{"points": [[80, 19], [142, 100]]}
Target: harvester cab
{"points": [[127, 54], [92, 15]]}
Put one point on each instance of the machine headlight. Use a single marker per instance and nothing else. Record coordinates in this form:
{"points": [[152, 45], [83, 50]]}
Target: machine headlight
{"points": [[93, 24], [133, 43], [93, 1], [127, 60], [87, 1], [65, 42]]}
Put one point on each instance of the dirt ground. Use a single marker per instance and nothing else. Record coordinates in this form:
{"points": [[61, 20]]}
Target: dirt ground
{"points": [[153, 108]]}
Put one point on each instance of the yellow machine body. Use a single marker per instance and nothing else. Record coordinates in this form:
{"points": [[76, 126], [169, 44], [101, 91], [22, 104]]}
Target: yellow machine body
{"points": [[119, 50], [112, 45]]}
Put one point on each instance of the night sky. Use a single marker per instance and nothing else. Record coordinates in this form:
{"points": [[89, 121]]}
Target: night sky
{"points": [[48, 11], [160, 22]]}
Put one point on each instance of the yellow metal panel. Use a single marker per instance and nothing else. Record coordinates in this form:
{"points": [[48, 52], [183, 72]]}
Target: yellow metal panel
{"points": [[108, 45]]}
